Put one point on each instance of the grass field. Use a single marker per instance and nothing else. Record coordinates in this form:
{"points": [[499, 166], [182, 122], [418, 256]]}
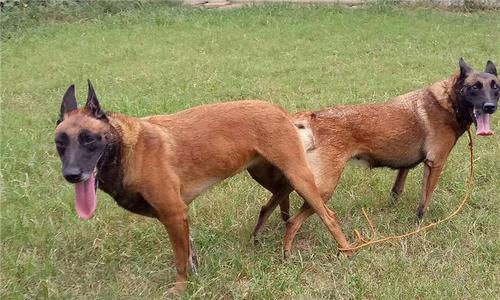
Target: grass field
{"points": [[152, 61]]}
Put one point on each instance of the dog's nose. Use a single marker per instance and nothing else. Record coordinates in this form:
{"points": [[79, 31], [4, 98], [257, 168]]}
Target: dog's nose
{"points": [[72, 175], [489, 108]]}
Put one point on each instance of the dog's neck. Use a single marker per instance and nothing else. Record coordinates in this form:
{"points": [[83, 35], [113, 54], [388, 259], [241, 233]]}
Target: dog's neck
{"points": [[109, 167], [447, 94], [462, 112]]}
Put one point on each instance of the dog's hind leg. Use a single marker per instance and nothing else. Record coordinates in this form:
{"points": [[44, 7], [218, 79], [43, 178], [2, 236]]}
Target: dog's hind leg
{"points": [[278, 197], [293, 227], [273, 180], [285, 207], [399, 183], [193, 258]]}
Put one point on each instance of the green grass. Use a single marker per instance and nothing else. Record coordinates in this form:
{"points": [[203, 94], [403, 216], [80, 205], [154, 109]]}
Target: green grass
{"points": [[162, 60]]}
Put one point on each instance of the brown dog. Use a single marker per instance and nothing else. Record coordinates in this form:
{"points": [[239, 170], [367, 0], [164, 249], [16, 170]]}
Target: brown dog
{"points": [[421, 126], [155, 166]]}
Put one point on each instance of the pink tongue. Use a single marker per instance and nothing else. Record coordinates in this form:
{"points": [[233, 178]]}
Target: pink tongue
{"points": [[86, 199], [483, 125]]}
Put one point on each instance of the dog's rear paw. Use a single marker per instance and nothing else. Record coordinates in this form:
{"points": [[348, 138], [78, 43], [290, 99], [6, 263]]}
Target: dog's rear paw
{"points": [[395, 195], [193, 258], [256, 241], [194, 263], [285, 216]]}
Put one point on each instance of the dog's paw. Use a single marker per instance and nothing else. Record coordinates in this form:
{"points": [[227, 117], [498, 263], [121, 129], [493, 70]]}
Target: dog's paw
{"points": [[420, 213], [176, 290], [194, 263], [346, 253], [256, 241], [286, 255], [285, 216], [254, 237], [193, 258], [395, 195]]}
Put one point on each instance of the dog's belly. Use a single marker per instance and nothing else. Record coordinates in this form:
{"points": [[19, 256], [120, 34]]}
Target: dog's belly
{"points": [[189, 193], [195, 188], [372, 161]]}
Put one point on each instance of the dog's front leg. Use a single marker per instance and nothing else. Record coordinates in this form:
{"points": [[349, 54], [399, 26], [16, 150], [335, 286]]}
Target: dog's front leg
{"points": [[326, 185], [178, 233], [432, 171], [293, 226], [173, 213]]}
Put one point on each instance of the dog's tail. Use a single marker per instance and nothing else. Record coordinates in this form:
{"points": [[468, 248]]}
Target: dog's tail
{"points": [[303, 125]]}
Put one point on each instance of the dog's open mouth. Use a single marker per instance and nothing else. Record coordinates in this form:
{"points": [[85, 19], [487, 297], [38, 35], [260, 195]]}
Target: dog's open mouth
{"points": [[483, 123], [86, 197]]}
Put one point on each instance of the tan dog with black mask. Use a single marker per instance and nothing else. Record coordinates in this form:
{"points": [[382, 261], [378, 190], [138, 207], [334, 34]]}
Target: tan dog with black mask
{"points": [[155, 166], [419, 127]]}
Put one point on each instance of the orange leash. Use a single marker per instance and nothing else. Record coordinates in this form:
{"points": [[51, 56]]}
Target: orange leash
{"points": [[362, 242]]}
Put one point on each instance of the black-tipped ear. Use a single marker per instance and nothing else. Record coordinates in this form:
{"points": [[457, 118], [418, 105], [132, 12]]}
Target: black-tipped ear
{"points": [[68, 103], [490, 68], [93, 104], [464, 68]]}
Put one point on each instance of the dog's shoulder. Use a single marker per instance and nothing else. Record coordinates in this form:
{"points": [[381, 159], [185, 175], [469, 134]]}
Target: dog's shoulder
{"points": [[409, 100], [437, 94], [127, 127], [441, 92]]}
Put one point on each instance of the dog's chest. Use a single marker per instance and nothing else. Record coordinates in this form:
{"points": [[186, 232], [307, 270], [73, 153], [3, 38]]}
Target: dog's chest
{"points": [[111, 182]]}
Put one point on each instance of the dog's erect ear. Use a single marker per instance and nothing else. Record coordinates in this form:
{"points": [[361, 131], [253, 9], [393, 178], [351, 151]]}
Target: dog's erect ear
{"points": [[93, 104], [68, 103], [490, 68], [464, 68]]}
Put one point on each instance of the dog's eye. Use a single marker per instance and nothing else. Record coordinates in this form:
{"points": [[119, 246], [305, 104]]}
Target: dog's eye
{"points": [[60, 141], [494, 85], [60, 146], [477, 86], [88, 140]]}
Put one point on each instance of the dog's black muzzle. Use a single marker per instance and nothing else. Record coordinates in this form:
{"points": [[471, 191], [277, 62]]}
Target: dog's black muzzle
{"points": [[489, 108], [72, 175]]}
